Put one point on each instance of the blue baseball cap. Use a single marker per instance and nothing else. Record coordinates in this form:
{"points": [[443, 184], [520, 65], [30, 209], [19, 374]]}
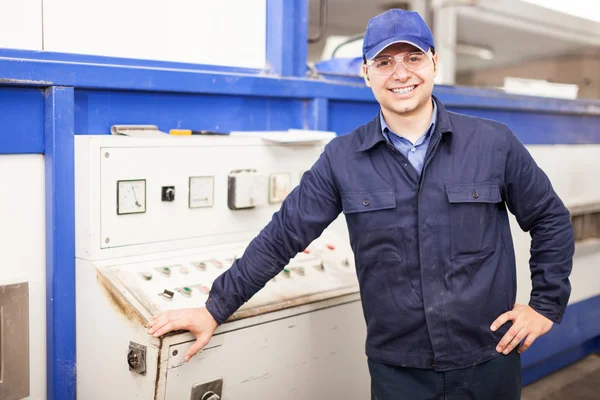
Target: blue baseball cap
{"points": [[396, 26]]}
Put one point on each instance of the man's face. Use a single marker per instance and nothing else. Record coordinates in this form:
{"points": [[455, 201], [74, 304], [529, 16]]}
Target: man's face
{"points": [[387, 88]]}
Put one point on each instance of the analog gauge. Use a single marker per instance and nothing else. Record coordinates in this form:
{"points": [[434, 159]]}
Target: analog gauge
{"points": [[201, 191], [131, 197]]}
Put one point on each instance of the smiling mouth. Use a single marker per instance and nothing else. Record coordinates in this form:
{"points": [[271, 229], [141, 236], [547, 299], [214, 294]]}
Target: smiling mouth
{"points": [[404, 90]]}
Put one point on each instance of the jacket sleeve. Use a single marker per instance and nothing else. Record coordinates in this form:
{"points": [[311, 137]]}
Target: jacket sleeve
{"points": [[303, 216], [539, 211]]}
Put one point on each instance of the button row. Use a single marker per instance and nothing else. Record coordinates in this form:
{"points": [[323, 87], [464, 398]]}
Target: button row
{"points": [[167, 271], [186, 291]]}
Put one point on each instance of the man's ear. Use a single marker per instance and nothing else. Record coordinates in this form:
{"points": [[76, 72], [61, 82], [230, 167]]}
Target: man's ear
{"points": [[366, 76]]}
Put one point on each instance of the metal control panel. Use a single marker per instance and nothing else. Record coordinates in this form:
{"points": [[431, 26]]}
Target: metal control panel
{"points": [[325, 268], [157, 222]]}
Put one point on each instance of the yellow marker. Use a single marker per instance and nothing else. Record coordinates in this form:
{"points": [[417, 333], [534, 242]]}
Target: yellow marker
{"points": [[180, 132], [187, 132]]}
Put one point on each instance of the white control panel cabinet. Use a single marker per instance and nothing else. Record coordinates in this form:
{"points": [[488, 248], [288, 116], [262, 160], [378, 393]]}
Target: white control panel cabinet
{"points": [[157, 221]]}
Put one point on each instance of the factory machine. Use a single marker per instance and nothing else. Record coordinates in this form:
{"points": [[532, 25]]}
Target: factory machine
{"points": [[157, 221]]}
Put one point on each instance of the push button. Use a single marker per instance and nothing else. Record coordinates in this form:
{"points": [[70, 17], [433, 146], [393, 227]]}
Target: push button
{"points": [[146, 275]]}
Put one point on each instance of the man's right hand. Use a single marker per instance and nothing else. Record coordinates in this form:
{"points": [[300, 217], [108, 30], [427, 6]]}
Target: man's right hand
{"points": [[196, 320]]}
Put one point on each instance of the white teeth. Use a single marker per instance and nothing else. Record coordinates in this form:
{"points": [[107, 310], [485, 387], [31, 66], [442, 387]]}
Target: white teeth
{"points": [[404, 90]]}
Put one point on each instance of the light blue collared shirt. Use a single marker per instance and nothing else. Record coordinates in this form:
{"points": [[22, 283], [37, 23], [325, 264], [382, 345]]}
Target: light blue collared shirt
{"points": [[415, 153]]}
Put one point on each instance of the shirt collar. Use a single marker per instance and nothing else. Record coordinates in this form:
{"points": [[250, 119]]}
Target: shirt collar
{"points": [[385, 129], [370, 134]]}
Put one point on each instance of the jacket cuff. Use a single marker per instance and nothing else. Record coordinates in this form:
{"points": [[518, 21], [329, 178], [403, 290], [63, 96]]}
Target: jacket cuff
{"points": [[214, 307], [551, 311]]}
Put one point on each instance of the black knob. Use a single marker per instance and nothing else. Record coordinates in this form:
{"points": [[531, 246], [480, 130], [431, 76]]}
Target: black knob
{"points": [[168, 193]]}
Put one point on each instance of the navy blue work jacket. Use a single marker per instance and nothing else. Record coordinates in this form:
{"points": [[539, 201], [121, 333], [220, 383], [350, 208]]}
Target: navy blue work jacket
{"points": [[434, 254]]}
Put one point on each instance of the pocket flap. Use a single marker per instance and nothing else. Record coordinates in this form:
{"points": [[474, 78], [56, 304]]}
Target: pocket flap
{"points": [[473, 193], [354, 202]]}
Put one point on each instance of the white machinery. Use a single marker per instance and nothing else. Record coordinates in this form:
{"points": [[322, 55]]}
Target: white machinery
{"points": [[157, 220]]}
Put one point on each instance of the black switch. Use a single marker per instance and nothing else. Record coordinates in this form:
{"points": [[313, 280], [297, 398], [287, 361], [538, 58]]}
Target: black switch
{"points": [[168, 193]]}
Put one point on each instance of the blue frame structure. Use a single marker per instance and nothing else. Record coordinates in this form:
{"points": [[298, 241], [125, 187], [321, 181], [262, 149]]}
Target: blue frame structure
{"points": [[46, 98], [60, 241]]}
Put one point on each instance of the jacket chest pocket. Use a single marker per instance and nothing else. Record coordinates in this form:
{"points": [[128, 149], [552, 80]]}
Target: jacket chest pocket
{"points": [[371, 221], [473, 215]]}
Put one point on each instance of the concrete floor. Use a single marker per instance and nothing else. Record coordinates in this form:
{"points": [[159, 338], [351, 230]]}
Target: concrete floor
{"points": [[579, 381]]}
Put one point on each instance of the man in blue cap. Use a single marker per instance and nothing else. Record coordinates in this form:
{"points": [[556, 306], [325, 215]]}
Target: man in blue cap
{"points": [[425, 193]]}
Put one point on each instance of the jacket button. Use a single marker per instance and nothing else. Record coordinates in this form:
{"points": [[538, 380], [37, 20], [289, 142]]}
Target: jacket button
{"points": [[366, 202], [475, 194]]}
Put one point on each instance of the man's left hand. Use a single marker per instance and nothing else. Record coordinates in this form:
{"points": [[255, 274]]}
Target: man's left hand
{"points": [[527, 323]]}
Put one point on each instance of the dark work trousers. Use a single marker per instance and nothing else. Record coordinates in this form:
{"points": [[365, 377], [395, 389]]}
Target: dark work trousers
{"points": [[497, 379]]}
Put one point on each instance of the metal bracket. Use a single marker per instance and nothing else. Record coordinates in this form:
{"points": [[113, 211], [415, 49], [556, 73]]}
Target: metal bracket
{"points": [[137, 131], [136, 358]]}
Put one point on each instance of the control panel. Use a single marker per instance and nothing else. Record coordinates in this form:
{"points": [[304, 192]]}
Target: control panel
{"points": [[326, 266], [158, 220]]}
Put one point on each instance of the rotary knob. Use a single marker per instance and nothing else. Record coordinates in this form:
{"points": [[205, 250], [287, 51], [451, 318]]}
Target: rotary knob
{"points": [[168, 193]]}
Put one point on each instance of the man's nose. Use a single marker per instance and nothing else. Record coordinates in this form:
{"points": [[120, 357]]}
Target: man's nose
{"points": [[401, 73]]}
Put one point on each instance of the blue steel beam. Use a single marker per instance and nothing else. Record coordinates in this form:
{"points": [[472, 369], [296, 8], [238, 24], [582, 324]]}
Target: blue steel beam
{"points": [[35, 70], [60, 243], [287, 37], [22, 123], [317, 115]]}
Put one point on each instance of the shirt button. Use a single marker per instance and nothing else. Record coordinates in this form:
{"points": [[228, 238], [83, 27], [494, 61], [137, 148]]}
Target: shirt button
{"points": [[366, 202], [413, 149], [475, 194]]}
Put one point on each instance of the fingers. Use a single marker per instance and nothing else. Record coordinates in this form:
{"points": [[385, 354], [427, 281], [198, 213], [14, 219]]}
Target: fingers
{"points": [[168, 327], [530, 339], [507, 341], [195, 348], [515, 342], [501, 320], [166, 323]]}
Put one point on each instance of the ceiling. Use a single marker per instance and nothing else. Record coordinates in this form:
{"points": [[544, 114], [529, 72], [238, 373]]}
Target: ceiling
{"points": [[514, 34]]}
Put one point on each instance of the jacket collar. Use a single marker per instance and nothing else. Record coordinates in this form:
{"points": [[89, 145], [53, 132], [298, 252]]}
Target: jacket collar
{"points": [[371, 132]]}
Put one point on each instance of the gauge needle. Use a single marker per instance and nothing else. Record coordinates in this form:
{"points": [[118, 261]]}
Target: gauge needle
{"points": [[137, 203]]}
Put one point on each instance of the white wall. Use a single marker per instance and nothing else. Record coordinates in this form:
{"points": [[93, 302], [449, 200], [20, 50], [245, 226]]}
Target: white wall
{"points": [[23, 250], [21, 24], [224, 32]]}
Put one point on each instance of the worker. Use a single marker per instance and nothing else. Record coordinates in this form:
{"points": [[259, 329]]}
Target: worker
{"points": [[425, 193]]}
